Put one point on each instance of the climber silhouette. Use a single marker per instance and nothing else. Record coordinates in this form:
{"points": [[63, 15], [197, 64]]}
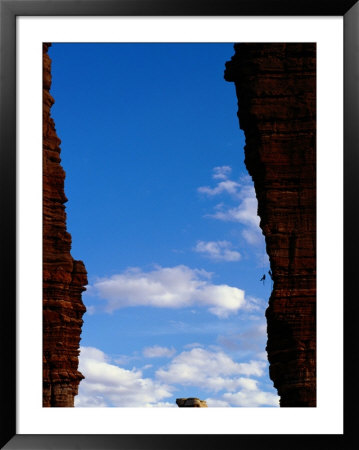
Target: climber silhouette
{"points": [[270, 274], [263, 278]]}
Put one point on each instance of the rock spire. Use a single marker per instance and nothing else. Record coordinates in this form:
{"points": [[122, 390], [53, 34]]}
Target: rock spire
{"points": [[276, 91], [64, 279]]}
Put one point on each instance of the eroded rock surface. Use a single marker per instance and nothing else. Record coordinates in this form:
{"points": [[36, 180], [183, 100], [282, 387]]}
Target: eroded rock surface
{"points": [[191, 402], [276, 91], [63, 277]]}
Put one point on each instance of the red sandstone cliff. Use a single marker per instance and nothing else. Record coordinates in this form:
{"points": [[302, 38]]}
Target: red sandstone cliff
{"points": [[276, 91], [63, 277]]}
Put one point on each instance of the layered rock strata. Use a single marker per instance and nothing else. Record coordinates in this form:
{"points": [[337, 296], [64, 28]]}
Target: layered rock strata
{"points": [[276, 91], [191, 402], [63, 277]]}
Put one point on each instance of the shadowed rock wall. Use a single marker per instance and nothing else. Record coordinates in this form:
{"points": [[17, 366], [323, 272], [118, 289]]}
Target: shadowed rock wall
{"points": [[63, 277], [276, 91]]}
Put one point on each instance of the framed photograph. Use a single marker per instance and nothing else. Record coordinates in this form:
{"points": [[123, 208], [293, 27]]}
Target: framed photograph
{"points": [[153, 62]]}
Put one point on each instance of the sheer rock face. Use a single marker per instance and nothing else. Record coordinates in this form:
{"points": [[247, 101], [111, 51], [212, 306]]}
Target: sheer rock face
{"points": [[276, 91], [191, 402], [63, 277]]}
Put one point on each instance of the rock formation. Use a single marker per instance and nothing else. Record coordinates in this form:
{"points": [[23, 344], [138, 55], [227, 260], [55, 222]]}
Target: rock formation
{"points": [[63, 277], [191, 402], [276, 91]]}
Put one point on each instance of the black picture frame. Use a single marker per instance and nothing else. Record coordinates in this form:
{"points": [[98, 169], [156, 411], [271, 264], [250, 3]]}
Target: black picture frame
{"points": [[9, 10]]}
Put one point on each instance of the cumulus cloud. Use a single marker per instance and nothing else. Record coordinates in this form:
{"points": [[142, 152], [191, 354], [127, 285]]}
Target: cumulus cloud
{"points": [[158, 352], [107, 384], [228, 186], [237, 189], [215, 403], [221, 172], [231, 383], [169, 287], [250, 398], [217, 250], [215, 371], [245, 209], [245, 212], [209, 370]]}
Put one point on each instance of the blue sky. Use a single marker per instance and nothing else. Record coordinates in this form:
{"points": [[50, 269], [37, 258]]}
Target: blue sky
{"points": [[163, 213]]}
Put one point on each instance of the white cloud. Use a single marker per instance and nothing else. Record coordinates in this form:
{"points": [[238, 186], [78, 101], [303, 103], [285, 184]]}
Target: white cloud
{"points": [[215, 371], [193, 344], [90, 310], [158, 352], [221, 172], [244, 212], [250, 398], [215, 403], [226, 186], [106, 384], [263, 356], [255, 304], [218, 250], [253, 236], [125, 360], [209, 370], [169, 287]]}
